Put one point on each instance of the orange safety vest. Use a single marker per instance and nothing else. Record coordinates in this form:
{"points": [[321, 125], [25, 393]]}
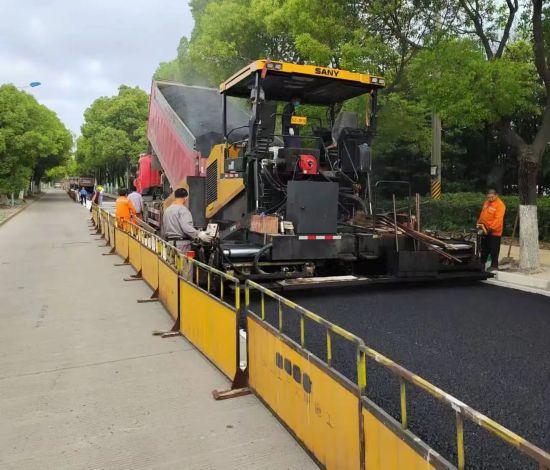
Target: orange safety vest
{"points": [[124, 210], [492, 216]]}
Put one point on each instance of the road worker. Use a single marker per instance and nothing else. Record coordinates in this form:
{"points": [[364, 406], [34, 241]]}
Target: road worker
{"points": [[491, 224], [100, 198], [83, 195], [177, 223], [137, 200], [95, 198], [124, 209]]}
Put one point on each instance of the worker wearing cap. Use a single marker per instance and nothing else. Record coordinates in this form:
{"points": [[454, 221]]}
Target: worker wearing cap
{"points": [[177, 223], [100, 195], [491, 224], [124, 209], [95, 197]]}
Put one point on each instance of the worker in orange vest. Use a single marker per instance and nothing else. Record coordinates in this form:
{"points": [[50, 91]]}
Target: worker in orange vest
{"points": [[124, 209], [491, 224]]}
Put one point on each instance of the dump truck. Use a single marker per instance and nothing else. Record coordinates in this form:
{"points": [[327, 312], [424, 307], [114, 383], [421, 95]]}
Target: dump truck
{"points": [[279, 168], [184, 124], [73, 184], [148, 179]]}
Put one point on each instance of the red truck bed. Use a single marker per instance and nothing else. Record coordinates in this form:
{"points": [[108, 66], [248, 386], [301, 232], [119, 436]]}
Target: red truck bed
{"points": [[184, 123]]}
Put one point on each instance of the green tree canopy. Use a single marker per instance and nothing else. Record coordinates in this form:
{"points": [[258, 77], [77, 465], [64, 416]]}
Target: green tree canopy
{"points": [[113, 134], [32, 139], [483, 66]]}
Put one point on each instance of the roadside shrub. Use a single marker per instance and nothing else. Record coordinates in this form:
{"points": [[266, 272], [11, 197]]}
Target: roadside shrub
{"points": [[458, 211]]}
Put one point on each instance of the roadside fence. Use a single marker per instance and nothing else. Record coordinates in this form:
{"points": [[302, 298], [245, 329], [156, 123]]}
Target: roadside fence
{"points": [[327, 412]]}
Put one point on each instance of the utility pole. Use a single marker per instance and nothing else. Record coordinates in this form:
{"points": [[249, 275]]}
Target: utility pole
{"points": [[435, 168], [128, 173]]}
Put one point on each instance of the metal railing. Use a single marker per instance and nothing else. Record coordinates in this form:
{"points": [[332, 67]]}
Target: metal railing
{"points": [[462, 412], [194, 271], [188, 268], [330, 329], [215, 289]]}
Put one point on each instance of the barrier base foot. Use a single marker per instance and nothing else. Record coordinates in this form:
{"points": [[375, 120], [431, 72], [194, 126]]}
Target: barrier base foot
{"points": [[112, 252], [166, 334], [175, 331], [226, 394], [154, 298], [134, 277], [125, 263]]}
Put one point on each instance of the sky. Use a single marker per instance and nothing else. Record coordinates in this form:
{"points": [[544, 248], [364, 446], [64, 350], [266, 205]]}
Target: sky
{"points": [[83, 49]]}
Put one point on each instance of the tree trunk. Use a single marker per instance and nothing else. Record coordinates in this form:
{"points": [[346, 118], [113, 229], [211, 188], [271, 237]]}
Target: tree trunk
{"points": [[528, 221]]}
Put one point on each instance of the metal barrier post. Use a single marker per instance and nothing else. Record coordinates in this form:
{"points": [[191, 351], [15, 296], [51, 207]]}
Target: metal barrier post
{"points": [[329, 348], [460, 440], [110, 223], [403, 400], [361, 370]]}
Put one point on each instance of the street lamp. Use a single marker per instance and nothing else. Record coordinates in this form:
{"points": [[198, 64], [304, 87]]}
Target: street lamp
{"points": [[30, 85]]}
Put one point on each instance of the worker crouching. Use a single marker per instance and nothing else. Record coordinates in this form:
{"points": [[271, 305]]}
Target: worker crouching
{"points": [[177, 223], [491, 224]]}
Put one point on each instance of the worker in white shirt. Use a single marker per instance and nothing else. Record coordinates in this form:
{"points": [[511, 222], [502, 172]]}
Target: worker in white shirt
{"points": [[137, 200]]}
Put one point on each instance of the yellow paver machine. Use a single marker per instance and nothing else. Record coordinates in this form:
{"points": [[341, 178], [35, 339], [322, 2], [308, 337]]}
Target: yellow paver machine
{"points": [[283, 178]]}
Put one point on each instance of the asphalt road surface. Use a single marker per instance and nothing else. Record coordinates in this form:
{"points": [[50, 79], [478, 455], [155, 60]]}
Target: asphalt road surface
{"points": [[486, 345]]}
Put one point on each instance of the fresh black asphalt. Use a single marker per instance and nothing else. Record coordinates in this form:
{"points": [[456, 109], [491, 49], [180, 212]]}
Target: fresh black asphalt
{"points": [[488, 346]]}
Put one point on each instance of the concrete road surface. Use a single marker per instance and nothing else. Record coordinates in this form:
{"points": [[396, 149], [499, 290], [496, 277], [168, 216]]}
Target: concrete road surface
{"points": [[84, 384]]}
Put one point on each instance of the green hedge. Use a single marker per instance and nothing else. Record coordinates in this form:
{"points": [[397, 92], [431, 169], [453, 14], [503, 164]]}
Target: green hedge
{"points": [[457, 211]]}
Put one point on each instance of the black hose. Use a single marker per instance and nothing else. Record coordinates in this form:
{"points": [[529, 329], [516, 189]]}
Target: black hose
{"points": [[258, 256], [357, 199]]}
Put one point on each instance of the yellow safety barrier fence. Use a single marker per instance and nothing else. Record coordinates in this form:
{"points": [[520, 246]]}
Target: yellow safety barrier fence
{"points": [[207, 318], [104, 227], [319, 405], [121, 243], [103, 222], [462, 412], [95, 214], [327, 412], [278, 365], [111, 226], [134, 248], [194, 292]]}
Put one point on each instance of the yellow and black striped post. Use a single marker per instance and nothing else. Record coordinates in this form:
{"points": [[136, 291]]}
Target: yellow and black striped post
{"points": [[435, 189], [435, 170]]}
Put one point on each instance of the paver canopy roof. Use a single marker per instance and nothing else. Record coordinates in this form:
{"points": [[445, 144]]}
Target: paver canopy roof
{"points": [[283, 81]]}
